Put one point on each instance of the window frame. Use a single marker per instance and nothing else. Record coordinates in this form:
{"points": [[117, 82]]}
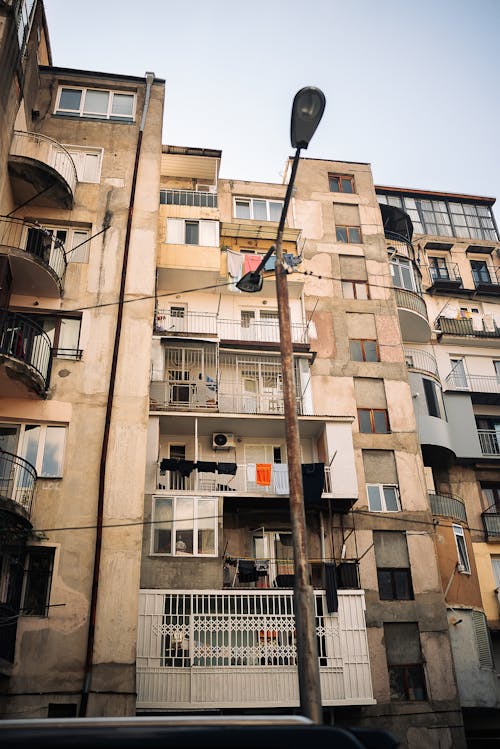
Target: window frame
{"points": [[45, 591], [340, 178], [393, 572], [362, 342], [21, 444], [198, 502], [110, 116], [462, 555], [372, 412], [180, 231], [348, 230], [381, 492], [354, 287], [83, 151], [250, 201], [68, 248]]}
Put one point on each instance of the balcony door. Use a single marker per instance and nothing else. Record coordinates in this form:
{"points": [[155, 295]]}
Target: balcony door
{"points": [[274, 548], [480, 272], [458, 374]]}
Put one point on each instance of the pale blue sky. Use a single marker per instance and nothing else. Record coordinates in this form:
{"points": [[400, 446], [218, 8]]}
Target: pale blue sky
{"points": [[411, 87]]}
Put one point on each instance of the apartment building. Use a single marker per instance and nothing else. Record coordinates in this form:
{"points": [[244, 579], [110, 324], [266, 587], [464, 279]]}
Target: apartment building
{"points": [[452, 282], [79, 180]]}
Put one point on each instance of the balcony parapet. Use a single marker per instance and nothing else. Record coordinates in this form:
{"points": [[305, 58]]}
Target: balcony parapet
{"points": [[463, 326], [400, 243], [421, 360], [473, 383], [445, 277], [37, 258], [449, 506], [411, 300], [25, 350], [43, 166], [17, 483], [413, 318], [196, 198], [489, 441]]}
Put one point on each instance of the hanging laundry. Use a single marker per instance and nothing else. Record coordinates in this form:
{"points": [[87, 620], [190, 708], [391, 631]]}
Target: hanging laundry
{"points": [[332, 599], [251, 262], [186, 467], [313, 480], [247, 571], [169, 464], [263, 472], [270, 263], [251, 473], [291, 260], [234, 268], [228, 469], [280, 478], [206, 466]]}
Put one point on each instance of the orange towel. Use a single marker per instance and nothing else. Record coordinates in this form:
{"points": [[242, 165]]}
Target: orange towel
{"points": [[263, 471]]}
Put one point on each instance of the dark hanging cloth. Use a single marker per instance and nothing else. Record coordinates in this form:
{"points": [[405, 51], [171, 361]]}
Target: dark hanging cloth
{"points": [[186, 467], [206, 466], [332, 599], [313, 480], [247, 571], [229, 469], [169, 464]]}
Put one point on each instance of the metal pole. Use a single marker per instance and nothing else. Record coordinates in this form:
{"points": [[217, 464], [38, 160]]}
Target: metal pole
{"points": [[304, 605]]}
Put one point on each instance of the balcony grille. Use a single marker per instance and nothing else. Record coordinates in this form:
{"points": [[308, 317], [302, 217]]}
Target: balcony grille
{"points": [[47, 150], [195, 198], [412, 301], [488, 439], [422, 360], [17, 480], [23, 340], [448, 505], [35, 241], [491, 523]]}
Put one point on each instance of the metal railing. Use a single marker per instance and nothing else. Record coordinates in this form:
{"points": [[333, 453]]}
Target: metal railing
{"points": [[491, 522], [488, 439], [450, 272], [195, 198], [474, 383], [199, 481], [236, 648], [25, 341], [169, 321], [422, 360], [17, 480], [400, 243], [47, 150], [34, 240], [487, 277], [463, 326], [448, 505], [411, 300]]}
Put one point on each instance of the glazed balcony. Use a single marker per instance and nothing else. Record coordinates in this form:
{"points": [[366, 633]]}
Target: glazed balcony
{"points": [[421, 361], [17, 484], [445, 277], [37, 259], [491, 523], [196, 198], [448, 506], [41, 170], [203, 649], [413, 317], [25, 356]]}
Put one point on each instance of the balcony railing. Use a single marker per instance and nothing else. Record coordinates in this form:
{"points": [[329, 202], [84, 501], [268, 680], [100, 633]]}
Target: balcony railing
{"points": [[489, 441], [17, 481], [447, 275], [487, 279], [36, 242], [422, 360], [491, 523], [24, 341], [236, 649], [168, 321], [473, 383], [400, 243], [48, 151], [199, 481], [447, 505], [410, 300], [195, 198], [464, 327]]}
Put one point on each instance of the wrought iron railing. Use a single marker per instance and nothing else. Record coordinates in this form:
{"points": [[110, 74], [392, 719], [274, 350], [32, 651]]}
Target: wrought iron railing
{"points": [[450, 272], [411, 300], [195, 198], [464, 327], [474, 383], [400, 243], [40, 243], [17, 480], [486, 277], [25, 341], [489, 441], [170, 321], [47, 150], [422, 360], [448, 505], [491, 522]]}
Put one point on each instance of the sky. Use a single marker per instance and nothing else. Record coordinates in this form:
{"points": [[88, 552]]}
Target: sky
{"points": [[412, 87]]}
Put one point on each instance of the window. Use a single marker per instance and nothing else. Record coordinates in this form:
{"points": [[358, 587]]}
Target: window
{"points": [[37, 580], [383, 498], [434, 398], [185, 526], [64, 335], [351, 234], [258, 209], [364, 350], [404, 661], [50, 242], [341, 183], [463, 557], [95, 103], [87, 162], [182, 231], [355, 290], [41, 445], [480, 272], [374, 420], [403, 275], [394, 584], [439, 269]]}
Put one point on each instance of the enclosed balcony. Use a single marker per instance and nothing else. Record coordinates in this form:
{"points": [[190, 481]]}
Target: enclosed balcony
{"points": [[17, 485], [491, 523], [196, 198], [41, 171], [204, 649], [413, 317], [36, 257], [25, 356], [448, 506]]}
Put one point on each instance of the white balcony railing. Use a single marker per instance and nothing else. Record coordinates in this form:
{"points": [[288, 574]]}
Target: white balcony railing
{"points": [[489, 441], [473, 383], [236, 649], [46, 150], [199, 481], [171, 321]]}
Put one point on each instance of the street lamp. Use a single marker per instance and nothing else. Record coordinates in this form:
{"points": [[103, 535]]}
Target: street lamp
{"points": [[307, 110]]}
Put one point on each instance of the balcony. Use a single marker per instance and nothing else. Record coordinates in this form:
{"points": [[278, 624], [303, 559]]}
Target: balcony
{"points": [[486, 280], [448, 506], [466, 328], [41, 171], [194, 198], [444, 277], [412, 316], [25, 356], [180, 321], [205, 649], [17, 484], [489, 441], [37, 259], [491, 523], [421, 361], [483, 388]]}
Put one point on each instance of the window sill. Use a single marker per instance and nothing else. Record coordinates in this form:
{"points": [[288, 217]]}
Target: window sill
{"points": [[63, 116]]}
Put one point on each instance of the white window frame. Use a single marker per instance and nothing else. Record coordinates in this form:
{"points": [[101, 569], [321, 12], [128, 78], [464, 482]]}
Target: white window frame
{"points": [[41, 448], [80, 156], [69, 242], [109, 115], [380, 488], [176, 232], [250, 201], [463, 555], [198, 513]]}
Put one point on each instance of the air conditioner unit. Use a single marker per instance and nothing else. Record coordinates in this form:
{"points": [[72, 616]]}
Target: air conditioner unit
{"points": [[223, 441]]}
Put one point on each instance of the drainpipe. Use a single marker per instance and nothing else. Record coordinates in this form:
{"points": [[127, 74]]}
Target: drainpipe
{"points": [[109, 407]]}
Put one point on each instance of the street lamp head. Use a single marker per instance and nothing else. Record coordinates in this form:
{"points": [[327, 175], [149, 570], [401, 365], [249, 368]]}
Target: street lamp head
{"points": [[307, 111], [250, 282]]}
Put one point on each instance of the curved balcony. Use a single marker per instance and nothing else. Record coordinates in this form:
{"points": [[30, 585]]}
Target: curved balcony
{"points": [[25, 356], [17, 484], [42, 171], [37, 259], [421, 361], [448, 506], [412, 316]]}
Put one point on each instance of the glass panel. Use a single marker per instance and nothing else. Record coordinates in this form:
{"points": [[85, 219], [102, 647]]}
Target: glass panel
{"points": [[30, 443], [53, 452], [207, 512], [70, 99], [361, 291], [96, 102], [370, 351], [347, 290], [380, 420], [347, 185], [356, 350], [374, 500], [184, 526], [69, 334], [79, 254], [402, 584], [354, 234], [365, 424], [123, 105], [391, 498], [275, 211], [341, 234], [162, 531], [192, 232], [259, 210], [385, 585], [242, 209], [38, 578], [334, 184]]}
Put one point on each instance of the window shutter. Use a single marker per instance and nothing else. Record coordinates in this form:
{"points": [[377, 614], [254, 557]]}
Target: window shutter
{"points": [[175, 231], [209, 233], [482, 639]]}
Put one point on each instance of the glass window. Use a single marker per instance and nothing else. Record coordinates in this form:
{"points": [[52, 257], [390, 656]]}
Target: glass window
{"points": [[363, 350], [463, 557], [348, 234], [96, 102], [404, 661], [341, 183], [341, 234], [185, 526], [275, 210], [383, 498], [43, 447], [123, 105], [394, 584], [242, 209], [70, 99], [37, 580], [258, 209], [380, 421], [192, 235]]}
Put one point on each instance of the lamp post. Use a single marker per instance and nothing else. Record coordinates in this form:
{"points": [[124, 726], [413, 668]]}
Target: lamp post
{"points": [[307, 110]]}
